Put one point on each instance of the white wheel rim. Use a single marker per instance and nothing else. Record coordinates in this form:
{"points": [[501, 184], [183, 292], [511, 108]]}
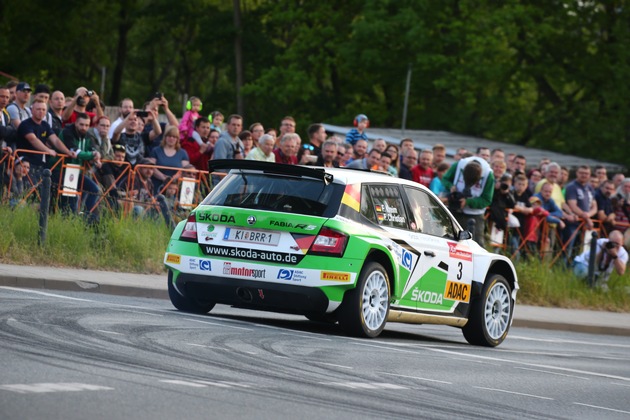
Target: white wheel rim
{"points": [[497, 311], [375, 300]]}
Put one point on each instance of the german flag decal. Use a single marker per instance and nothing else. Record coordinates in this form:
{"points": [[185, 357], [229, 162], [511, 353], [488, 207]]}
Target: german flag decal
{"points": [[352, 197]]}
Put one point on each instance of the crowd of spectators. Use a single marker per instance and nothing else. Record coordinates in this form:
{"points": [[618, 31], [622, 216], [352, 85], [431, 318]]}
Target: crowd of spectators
{"points": [[508, 197]]}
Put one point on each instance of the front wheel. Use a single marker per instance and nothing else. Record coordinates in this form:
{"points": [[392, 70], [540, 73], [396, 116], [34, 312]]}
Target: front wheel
{"points": [[184, 303], [490, 314], [364, 309]]}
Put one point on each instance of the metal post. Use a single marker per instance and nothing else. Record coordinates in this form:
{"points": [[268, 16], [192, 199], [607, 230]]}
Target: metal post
{"points": [[44, 205], [407, 87], [590, 278]]}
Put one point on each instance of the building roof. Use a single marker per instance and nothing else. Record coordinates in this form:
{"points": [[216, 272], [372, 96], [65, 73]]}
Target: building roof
{"points": [[425, 139]]}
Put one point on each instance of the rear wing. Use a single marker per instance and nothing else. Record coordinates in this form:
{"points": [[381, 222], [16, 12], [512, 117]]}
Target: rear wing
{"points": [[271, 167]]}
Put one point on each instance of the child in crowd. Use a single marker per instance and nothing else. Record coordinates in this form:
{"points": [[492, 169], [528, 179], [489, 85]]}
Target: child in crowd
{"points": [[216, 121], [187, 125], [361, 122]]}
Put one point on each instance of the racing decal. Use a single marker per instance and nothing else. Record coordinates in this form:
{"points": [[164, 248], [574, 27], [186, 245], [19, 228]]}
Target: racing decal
{"points": [[200, 264], [173, 258], [303, 242], [278, 223], [291, 275], [457, 291], [386, 213], [251, 254], [352, 197], [459, 251], [335, 276], [213, 217], [234, 270]]}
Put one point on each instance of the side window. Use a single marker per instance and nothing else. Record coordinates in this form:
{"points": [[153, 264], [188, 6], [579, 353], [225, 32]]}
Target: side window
{"points": [[385, 206], [367, 206], [428, 216]]}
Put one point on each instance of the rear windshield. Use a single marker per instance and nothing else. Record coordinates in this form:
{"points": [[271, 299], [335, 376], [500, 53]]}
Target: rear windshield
{"points": [[277, 193]]}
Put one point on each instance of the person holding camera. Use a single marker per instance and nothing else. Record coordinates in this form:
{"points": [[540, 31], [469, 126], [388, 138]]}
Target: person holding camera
{"points": [[82, 97], [610, 255], [471, 186]]}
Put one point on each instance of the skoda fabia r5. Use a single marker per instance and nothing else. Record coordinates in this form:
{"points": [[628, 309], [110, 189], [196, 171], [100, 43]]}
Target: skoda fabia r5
{"points": [[337, 245]]}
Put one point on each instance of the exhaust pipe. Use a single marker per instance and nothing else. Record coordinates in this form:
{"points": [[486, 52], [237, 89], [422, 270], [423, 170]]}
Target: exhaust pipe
{"points": [[244, 294]]}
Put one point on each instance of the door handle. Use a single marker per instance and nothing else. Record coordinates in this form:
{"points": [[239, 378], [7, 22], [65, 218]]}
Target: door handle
{"points": [[429, 253]]}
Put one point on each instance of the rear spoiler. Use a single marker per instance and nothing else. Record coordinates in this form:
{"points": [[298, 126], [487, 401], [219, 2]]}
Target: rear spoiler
{"points": [[271, 167]]}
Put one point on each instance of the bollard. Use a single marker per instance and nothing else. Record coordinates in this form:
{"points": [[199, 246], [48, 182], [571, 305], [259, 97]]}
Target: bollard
{"points": [[590, 278], [165, 211], [44, 206]]}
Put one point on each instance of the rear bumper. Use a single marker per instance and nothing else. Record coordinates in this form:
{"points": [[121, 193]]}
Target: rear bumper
{"points": [[259, 295]]}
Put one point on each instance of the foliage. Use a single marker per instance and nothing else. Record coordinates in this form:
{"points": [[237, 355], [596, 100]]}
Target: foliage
{"points": [[552, 74], [126, 245]]}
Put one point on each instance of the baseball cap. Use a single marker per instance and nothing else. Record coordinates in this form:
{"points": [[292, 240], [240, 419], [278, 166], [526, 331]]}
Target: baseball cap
{"points": [[534, 199], [361, 117], [23, 86]]}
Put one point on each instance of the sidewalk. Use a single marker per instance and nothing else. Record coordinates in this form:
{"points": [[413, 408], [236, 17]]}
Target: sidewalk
{"points": [[154, 286]]}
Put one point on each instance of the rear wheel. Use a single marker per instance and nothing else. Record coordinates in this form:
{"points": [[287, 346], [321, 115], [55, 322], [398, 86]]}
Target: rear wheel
{"points": [[364, 309], [187, 304], [490, 314]]}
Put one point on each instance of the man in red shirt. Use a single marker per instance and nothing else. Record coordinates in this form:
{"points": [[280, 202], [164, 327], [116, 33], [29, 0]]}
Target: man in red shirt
{"points": [[422, 173], [199, 154]]}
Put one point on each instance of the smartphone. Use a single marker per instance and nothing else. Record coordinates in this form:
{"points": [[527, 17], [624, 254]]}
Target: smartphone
{"points": [[142, 114]]}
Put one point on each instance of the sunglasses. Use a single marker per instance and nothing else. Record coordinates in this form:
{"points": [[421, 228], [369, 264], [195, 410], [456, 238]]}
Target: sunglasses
{"points": [[308, 146]]}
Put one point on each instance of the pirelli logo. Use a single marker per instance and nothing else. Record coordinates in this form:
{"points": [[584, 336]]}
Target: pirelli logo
{"points": [[334, 276], [457, 291], [174, 258]]}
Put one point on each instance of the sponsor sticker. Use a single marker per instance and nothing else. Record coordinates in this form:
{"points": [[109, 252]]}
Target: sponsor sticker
{"points": [[284, 274], [253, 273], [334, 276], [174, 258], [457, 291], [461, 254], [406, 259]]}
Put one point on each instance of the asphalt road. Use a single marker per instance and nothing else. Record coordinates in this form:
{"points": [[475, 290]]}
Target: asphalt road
{"points": [[69, 355]]}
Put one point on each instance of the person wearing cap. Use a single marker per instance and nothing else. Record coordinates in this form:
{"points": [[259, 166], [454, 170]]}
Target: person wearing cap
{"points": [[18, 110], [361, 122]]}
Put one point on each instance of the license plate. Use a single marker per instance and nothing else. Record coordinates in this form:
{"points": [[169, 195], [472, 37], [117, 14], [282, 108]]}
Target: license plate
{"points": [[252, 236]]}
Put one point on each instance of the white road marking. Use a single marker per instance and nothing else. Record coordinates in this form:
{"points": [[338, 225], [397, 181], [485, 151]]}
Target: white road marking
{"points": [[334, 365], [417, 377], [53, 387], [185, 383], [559, 340], [362, 385], [204, 384], [603, 408], [220, 325], [552, 373], [513, 392], [110, 332], [16, 289]]}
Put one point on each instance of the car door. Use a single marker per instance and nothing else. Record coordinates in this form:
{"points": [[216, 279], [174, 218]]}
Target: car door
{"points": [[442, 280]]}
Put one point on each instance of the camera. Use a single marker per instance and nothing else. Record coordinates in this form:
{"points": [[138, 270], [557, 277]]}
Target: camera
{"points": [[504, 186], [610, 245], [455, 197], [158, 95], [90, 92]]}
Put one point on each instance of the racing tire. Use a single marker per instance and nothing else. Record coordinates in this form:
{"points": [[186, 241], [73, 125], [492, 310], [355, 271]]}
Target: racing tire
{"points": [[490, 314], [184, 303], [364, 310]]}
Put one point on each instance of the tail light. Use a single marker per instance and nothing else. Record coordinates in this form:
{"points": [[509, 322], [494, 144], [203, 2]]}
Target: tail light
{"points": [[189, 233], [329, 242]]}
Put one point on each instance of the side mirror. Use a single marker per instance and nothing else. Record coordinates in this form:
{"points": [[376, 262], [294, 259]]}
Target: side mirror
{"points": [[463, 235]]}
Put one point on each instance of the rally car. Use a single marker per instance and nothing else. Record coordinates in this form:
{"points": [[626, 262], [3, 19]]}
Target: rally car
{"points": [[337, 245]]}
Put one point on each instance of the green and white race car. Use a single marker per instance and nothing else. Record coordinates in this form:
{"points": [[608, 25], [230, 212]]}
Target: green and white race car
{"points": [[337, 245]]}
